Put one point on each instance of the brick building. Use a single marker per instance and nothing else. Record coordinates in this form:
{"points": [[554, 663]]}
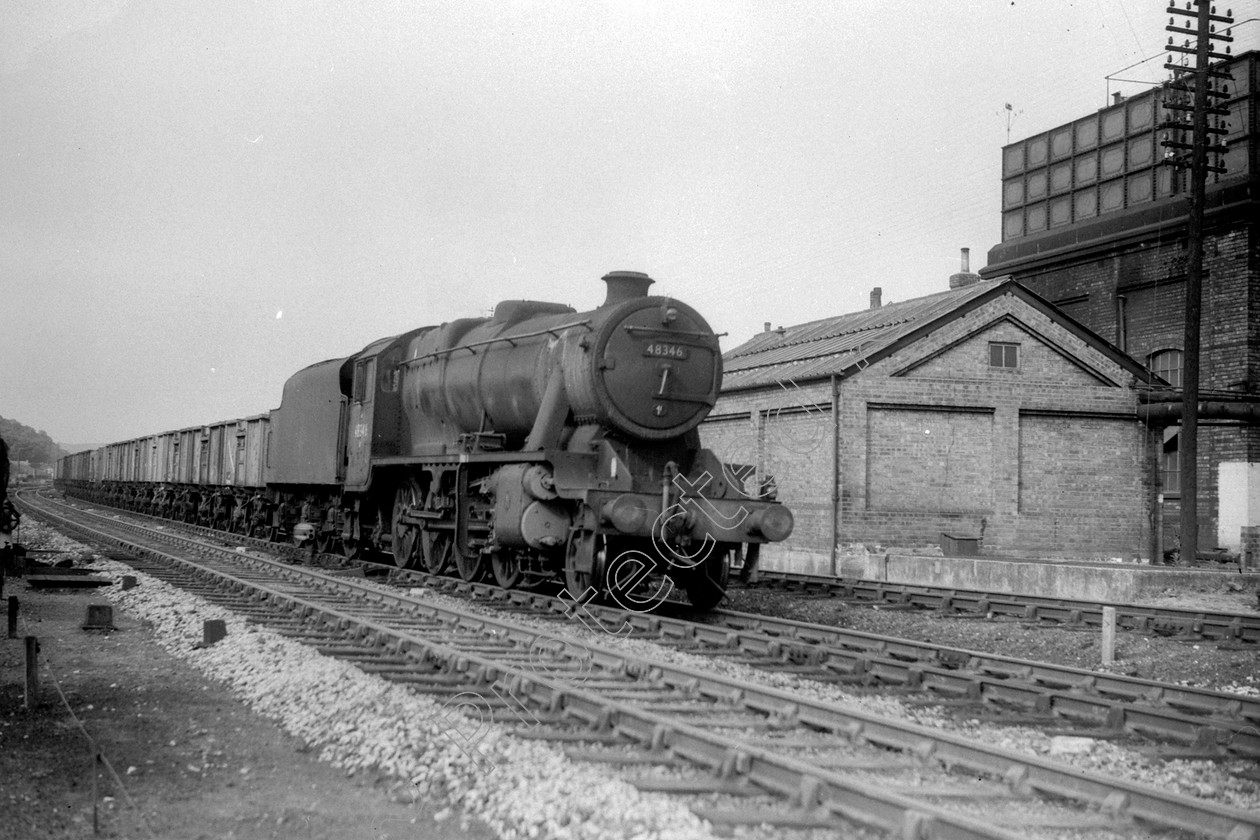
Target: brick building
{"points": [[981, 412], [1093, 221]]}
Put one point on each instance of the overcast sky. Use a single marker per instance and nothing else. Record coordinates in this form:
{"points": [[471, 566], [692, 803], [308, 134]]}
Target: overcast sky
{"points": [[198, 199]]}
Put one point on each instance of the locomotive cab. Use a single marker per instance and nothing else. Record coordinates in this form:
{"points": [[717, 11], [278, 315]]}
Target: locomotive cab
{"points": [[376, 423]]}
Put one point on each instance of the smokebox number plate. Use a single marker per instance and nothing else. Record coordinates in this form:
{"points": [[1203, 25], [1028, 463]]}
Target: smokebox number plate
{"points": [[661, 350]]}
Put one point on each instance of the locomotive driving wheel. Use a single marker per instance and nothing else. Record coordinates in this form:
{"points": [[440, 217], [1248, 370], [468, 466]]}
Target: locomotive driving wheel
{"points": [[406, 536], [470, 566], [437, 551]]}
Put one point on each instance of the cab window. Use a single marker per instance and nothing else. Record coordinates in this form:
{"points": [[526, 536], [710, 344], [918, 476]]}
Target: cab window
{"points": [[389, 371], [364, 373]]}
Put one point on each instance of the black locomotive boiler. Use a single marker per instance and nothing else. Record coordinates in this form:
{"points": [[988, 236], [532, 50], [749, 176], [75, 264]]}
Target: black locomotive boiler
{"points": [[538, 443]]}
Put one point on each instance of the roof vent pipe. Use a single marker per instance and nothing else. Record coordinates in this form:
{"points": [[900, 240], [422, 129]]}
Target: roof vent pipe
{"points": [[964, 277], [626, 285]]}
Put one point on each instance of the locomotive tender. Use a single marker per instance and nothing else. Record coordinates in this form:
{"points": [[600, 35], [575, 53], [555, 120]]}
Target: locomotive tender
{"points": [[538, 443]]}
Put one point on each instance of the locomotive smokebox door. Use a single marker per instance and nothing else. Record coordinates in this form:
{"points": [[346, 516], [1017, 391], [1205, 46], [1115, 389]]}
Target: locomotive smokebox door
{"points": [[659, 369]]}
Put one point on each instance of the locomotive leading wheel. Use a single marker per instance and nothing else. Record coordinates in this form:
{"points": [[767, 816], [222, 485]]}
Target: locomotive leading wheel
{"points": [[505, 565], [584, 543], [706, 583], [406, 537]]}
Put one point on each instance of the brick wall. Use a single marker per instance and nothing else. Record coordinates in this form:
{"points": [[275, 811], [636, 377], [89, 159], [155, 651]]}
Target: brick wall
{"points": [[786, 433], [1078, 478], [1046, 459], [1251, 547], [926, 460], [1150, 277]]}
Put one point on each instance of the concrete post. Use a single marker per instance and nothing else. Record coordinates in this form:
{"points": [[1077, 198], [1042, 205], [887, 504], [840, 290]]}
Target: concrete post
{"points": [[1108, 635]]}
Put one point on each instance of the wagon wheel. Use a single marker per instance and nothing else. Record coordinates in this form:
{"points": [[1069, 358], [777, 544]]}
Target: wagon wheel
{"points": [[437, 551], [470, 566], [9, 517], [505, 565], [325, 542], [406, 536]]}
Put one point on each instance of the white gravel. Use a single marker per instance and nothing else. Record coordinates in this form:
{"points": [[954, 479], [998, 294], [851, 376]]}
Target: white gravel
{"points": [[522, 789]]}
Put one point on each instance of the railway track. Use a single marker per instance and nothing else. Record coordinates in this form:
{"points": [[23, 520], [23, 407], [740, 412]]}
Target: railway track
{"points": [[1181, 721], [1200, 722], [793, 761], [1240, 628], [1184, 722]]}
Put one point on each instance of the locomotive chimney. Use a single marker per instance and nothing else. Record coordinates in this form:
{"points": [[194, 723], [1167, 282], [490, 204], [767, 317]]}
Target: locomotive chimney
{"points": [[626, 285], [877, 297]]}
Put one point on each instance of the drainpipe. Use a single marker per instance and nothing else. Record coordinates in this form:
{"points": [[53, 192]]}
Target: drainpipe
{"points": [[1122, 334], [1156, 520], [835, 473]]}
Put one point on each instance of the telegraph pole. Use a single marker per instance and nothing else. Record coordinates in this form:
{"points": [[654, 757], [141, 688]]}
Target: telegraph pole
{"points": [[1199, 83]]}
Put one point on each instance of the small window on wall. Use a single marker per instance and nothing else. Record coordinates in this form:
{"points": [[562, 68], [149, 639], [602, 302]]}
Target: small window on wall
{"points": [[1166, 364], [1003, 354], [1170, 462]]}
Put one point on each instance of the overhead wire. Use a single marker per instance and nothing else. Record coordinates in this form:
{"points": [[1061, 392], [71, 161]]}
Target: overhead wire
{"points": [[837, 240]]}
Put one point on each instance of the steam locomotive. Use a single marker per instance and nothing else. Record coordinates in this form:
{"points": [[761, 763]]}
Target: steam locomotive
{"points": [[539, 443]]}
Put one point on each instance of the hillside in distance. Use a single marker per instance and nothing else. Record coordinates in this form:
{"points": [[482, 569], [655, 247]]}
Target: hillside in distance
{"points": [[27, 444]]}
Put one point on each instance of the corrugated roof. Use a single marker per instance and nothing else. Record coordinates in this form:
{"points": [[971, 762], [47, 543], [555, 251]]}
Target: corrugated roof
{"points": [[832, 345]]}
